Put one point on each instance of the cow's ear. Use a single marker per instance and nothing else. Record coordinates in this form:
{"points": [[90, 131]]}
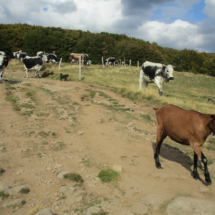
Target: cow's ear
{"points": [[212, 116]]}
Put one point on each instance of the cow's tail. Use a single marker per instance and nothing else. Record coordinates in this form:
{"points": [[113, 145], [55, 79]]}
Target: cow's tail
{"points": [[141, 78]]}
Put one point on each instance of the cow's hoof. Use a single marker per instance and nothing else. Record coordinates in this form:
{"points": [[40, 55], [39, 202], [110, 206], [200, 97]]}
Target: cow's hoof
{"points": [[195, 176], [159, 166], [208, 181]]}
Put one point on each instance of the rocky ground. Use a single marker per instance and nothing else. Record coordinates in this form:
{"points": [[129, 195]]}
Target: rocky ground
{"points": [[53, 127]]}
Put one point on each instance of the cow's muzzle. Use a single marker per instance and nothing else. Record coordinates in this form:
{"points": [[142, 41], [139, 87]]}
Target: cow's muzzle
{"points": [[171, 78]]}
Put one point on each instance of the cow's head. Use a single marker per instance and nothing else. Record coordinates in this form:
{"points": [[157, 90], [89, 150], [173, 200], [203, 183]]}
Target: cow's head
{"points": [[168, 70], [44, 58]]}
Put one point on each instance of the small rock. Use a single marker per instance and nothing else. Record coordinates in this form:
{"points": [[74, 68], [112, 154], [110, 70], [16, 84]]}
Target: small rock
{"points": [[153, 199], [131, 193], [80, 132], [3, 186], [13, 203], [190, 206], [61, 174], [45, 211], [92, 210], [67, 189], [139, 208]]}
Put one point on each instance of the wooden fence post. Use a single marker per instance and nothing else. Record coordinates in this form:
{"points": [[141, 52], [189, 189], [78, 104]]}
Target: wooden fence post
{"points": [[59, 64], [80, 68], [102, 62]]}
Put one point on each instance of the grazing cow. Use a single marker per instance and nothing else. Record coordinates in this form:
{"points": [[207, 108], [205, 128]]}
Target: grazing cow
{"points": [[157, 73], [64, 77], [40, 53], [110, 61], [16, 54], [4, 60], [89, 62], [34, 63], [187, 127], [74, 57], [22, 55], [52, 58]]}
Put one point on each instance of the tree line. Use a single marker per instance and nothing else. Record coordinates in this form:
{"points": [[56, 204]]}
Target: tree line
{"points": [[31, 39]]}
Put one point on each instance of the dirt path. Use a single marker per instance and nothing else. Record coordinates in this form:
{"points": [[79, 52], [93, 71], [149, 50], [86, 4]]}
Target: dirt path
{"points": [[78, 127]]}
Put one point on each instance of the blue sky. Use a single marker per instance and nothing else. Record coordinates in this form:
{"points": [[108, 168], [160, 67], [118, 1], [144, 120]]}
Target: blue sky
{"points": [[192, 14], [178, 24]]}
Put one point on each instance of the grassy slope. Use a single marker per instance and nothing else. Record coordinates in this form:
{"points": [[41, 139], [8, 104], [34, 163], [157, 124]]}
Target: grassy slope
{"points": [[189, 91]]}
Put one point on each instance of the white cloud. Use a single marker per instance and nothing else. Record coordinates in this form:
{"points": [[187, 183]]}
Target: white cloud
{"points": [[120, 17], [210, 8], [178, 34]]}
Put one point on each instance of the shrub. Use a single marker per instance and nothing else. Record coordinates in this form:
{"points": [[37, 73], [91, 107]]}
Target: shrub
{"points": [[108, 175]]}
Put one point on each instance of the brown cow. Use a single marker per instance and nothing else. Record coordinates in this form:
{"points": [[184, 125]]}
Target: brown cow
{"points": [[75, 57], [187, 127]]}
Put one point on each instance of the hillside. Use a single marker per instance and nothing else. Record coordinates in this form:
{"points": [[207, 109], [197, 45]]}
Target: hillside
{"points": [[31, 39], [49, 126]]}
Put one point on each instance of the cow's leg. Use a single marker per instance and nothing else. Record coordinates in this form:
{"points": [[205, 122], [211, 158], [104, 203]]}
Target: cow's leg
{"points": [[141, 79], [157, 82], [146, 83], [195, 172], [2, 72], [204, 161], [26, 73], [161, 135], [37, 73]]}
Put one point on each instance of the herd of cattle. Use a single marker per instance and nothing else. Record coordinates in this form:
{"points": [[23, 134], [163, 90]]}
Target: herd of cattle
{"points": [[150, 72]]}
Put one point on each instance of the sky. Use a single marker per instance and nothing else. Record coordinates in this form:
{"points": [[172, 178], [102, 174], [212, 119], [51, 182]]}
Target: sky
{"points": [[177, 24]]}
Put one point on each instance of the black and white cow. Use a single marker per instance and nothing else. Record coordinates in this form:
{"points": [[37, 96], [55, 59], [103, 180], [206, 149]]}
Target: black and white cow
{"points": [[4, 60], [52, 58], [40, 53], [34, 63], [155, 73], [16, 54], [110, 61], [22, 55]]}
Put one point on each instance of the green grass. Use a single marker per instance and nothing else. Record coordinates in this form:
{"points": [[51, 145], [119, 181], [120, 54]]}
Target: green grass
{"points": [[108, 175], [74, 177], [146, 118], [211, 144], [24, 190], [189, 91], [3, 195]]}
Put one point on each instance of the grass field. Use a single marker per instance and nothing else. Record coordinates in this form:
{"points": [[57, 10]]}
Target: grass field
{"points": [[189, 91]]}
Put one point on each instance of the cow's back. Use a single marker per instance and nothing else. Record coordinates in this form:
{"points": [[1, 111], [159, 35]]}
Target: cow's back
{"points": [[181, 125], [31, 62]]}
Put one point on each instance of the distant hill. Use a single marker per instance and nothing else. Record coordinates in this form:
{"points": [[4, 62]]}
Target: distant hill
{"points": [[32, 39]]}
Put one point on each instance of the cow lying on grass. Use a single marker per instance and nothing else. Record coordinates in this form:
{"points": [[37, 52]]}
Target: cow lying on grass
{"points": [[186, 127]]}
